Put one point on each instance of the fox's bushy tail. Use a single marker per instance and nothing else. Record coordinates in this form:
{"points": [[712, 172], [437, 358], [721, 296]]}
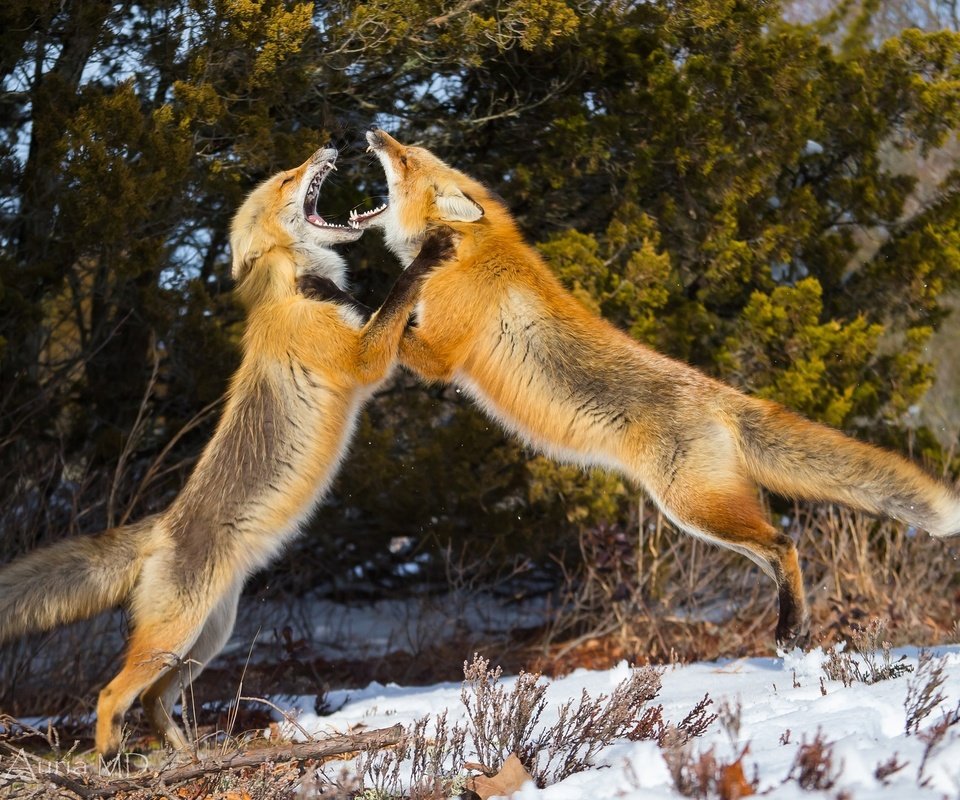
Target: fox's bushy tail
{"points": [[793, 456], [72, 579]]}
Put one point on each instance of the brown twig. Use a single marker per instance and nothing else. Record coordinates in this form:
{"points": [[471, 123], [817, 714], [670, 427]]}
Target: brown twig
{"points": [[89, 787], [136, 432]]}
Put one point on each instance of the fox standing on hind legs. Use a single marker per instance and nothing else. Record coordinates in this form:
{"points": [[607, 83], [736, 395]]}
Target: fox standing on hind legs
{"points": [[291, 408], [497, 322]]}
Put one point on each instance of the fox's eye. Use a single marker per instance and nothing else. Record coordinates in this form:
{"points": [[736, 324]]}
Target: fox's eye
{"points": [[285, 181], [403, 160]]}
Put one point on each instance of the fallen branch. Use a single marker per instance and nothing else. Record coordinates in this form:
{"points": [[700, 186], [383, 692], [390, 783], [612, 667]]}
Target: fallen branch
{"points": [[89, 787]]}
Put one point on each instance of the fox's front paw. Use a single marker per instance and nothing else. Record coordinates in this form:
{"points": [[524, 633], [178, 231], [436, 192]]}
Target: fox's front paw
{"points": [[439, 245], [109, 736], [794, 633]]}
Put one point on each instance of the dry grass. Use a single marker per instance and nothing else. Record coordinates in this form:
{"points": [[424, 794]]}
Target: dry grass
{"points": [[655, 594], [645, 595]]}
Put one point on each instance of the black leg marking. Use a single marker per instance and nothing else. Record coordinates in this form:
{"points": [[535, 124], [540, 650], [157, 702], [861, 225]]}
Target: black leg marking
{"points": [[316, 287]]}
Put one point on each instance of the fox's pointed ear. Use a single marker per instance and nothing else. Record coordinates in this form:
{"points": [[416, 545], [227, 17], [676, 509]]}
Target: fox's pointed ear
{"points": [[455, 206]]}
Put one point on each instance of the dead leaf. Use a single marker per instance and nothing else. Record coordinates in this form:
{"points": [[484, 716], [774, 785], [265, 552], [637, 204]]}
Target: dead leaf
{"points": [[733, 784], [510, 778]]}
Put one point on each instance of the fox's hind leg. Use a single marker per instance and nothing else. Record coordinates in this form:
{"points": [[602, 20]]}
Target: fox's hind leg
{"points": [[717, 503], [157, 645], [159, 699]]}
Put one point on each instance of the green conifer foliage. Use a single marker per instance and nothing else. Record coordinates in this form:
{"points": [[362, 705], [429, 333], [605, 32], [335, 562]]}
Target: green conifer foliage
{"points": [[714, 180]]}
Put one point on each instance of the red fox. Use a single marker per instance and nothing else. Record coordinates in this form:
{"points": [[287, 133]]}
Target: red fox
{"points": [[291, 409], [497, 322]]}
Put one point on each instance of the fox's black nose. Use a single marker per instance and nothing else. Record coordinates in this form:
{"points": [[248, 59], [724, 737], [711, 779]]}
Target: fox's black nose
{"points": [[374, 128]]}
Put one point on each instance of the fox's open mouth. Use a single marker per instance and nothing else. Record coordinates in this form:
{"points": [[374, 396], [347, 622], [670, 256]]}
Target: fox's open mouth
{"points": [[324, 168], [361, 219]]}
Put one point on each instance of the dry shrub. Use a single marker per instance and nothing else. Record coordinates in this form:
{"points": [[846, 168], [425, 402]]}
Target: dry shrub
{"points": [[652, 592], [868, 659], [504, 722], [652, 726], [873, 568], [730, 713], [646, 593], [891, 766], [501, 722], [923, 692], [426, 763], [813, 766], [697, 720], [705, 776], [572, 743], [933, 737]]}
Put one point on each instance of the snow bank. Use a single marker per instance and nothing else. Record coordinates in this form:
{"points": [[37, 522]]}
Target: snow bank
{"points": [[783, 704]]}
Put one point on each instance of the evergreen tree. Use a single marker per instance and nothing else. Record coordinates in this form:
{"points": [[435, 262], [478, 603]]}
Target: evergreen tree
{"points": [[704, 173]]}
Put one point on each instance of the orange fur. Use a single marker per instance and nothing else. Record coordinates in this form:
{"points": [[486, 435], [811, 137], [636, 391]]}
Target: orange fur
{"points": [[496, 321], [291, 408]]}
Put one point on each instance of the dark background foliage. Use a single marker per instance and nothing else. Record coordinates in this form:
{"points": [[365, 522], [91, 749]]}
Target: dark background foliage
{"points": [[732, 182]]}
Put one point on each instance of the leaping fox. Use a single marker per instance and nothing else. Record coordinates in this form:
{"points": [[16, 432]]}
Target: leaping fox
{"points": [[497, 322]]}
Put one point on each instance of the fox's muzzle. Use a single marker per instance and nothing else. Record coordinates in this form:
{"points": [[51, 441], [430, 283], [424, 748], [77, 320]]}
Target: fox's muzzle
{"points": [[379, 139], [326, 154]]}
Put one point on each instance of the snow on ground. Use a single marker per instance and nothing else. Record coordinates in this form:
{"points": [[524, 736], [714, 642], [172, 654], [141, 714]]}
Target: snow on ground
{"points": [[784, 702]]}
